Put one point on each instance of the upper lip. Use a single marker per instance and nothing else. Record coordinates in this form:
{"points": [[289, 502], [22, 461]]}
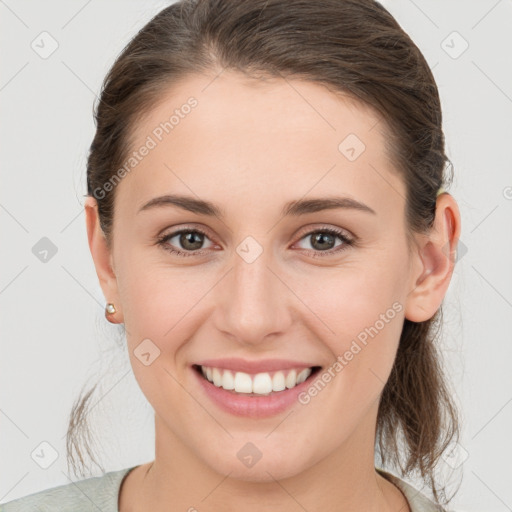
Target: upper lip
{"points": [[261, 366]]}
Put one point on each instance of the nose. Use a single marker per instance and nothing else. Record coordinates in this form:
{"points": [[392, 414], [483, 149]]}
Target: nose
{"points": [[253, 302]]}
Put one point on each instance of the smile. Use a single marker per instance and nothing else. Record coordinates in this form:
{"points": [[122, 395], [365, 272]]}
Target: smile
{"points": [[262, 383], [257, 394]]}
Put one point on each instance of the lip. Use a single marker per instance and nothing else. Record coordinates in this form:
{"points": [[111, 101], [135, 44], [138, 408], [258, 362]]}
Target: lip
{"points": [[264, 365], [252, 406]]}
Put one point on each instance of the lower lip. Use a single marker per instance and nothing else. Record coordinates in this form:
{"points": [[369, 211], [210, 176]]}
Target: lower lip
{"points": [[252, 406]]}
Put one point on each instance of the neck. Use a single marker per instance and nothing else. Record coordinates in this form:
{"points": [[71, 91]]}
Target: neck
{"points": [[345, 480]]}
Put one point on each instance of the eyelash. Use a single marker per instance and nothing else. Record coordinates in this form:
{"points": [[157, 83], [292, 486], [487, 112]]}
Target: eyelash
{"points": [[347, 242]]}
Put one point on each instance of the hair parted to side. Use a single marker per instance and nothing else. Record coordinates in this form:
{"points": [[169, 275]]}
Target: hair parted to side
{"points": [[356, 48]]}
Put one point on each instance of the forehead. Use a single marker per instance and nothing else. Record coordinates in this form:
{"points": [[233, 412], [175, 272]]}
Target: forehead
{"points": [[263, 137], [232, 101]]}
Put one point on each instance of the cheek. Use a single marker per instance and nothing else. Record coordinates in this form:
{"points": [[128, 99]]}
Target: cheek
{"points": [[156, 295], [361, 313], [161, 308], [363, 349], [351, 298]]}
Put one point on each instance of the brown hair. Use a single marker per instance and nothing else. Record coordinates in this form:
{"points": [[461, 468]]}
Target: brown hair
{"points": [[354, 47]]}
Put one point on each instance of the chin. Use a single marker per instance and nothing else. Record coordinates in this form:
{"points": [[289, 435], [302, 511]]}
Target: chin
{"points": [[247, 463]]}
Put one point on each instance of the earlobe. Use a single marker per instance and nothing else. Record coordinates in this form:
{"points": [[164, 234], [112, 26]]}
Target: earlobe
{"points": [[101, 253], [434, 262]]}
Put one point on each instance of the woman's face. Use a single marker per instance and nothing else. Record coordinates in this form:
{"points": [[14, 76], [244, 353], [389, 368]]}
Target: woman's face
{"points": [[261, 285]]}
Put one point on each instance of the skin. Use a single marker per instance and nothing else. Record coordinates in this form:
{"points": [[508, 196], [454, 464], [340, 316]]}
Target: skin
{"points": [[249, 147]]}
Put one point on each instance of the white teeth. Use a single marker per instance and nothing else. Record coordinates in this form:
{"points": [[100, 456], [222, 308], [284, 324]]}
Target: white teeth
{"points": [[291, 379], [278, 382], [260, 384], [243, 383], [228, 381], [217, 377], [303, 375]]}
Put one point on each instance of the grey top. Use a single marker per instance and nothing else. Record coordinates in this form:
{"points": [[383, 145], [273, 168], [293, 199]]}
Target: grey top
{"points": [[101, 494]]}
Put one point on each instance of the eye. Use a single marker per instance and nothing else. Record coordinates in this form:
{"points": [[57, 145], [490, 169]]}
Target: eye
{"points": [[190, 239], [322, 241]]}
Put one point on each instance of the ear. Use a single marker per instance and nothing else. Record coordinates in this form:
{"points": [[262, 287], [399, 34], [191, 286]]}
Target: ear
{"points": [[101, 255], [434, 261]]}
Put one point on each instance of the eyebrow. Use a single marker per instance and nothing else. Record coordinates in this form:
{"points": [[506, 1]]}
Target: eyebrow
{"points": [[292, 208]]}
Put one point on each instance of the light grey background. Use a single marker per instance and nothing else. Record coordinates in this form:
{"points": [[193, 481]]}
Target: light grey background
{"points": [[53, 334]]}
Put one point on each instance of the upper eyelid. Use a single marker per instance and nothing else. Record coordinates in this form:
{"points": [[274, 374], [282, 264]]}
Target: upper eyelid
{"points": [[310, 230]]}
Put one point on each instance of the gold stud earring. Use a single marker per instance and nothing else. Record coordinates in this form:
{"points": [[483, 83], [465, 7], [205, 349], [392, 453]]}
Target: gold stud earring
{"points": [[109, 312]]}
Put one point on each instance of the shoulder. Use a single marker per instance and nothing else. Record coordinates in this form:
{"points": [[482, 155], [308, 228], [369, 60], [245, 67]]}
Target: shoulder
{"points": [[91, 494], [418, 502]]}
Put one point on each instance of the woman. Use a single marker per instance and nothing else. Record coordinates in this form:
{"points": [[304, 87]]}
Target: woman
{"points": [[234, 141]]}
